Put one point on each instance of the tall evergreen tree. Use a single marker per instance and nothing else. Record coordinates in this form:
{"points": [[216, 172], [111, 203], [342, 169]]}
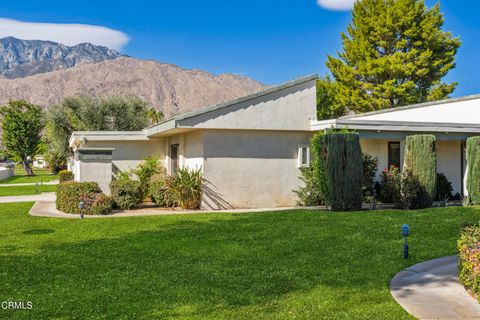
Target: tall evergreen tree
{"points": [[394, 53]]}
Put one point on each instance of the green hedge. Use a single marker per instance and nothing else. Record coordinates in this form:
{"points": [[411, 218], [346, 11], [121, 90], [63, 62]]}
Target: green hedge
{"points": [[160, 192], [65, 175], [473, 172], [69, 195], [421, 165], [469, 258], [341, 155], [126, 193]]}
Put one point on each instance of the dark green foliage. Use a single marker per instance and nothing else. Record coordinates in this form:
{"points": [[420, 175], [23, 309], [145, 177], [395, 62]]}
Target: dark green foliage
{"points": [[370, 166], [444, 188], [88, 113], [22, 124], [160, 192], [469, 258], [69, 195], [65, 175], [126, 193], [421, 163], [343, 171], [57, 161], [473, 172], [145, 170], [394, 53], [327, 104], [413, 194], [390, 185]]}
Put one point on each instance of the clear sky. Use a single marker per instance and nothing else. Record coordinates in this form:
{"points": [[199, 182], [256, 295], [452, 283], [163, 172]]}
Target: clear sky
{"points": [[270, 41]]}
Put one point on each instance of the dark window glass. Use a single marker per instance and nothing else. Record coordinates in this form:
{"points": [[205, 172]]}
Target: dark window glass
{"points": [[394, 154], [304, 156], [174, 157]]}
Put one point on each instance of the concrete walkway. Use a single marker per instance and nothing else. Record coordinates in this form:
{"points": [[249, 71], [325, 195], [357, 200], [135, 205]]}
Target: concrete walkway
{"points": [[50, 183], [46, 208], [45, 196], [431, 290]]}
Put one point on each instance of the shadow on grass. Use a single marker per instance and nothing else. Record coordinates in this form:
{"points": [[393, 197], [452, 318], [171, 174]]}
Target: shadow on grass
{"points": [[198, 268], [39, 231]]}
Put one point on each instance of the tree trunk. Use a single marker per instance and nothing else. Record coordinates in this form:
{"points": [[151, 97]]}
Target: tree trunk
{"points": [[26, 166]]}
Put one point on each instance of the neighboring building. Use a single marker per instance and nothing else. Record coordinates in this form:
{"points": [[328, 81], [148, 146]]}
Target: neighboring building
{"points": [[383, 133], [40, 162], [250, 149]]}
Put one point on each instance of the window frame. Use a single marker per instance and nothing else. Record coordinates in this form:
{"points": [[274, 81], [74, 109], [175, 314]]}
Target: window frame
{"points": [[389, 155], [173, 169], [302, 149]]}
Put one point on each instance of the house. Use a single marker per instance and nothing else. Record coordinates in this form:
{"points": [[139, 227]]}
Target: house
{"points": [[40, 162], [250, 149], [382, 133]]}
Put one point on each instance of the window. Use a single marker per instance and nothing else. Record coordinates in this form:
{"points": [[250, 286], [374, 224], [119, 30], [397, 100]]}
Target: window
{"points": [[174, 158], [394, 154], [303, 156]]}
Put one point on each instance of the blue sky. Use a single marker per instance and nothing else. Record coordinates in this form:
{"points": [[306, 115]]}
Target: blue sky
{"points": [[270, 41]]}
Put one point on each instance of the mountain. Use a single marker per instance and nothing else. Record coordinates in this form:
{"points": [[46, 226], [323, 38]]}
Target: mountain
{"points": [[167, 87], [23, 58]]}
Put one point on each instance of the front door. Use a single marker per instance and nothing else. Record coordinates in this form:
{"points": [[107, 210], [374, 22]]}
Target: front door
{"points": [[174, 158]]}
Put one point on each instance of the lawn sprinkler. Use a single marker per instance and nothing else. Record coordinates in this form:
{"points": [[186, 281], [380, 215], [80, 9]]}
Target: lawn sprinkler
{"points": [[405, 234], [81, 205]]}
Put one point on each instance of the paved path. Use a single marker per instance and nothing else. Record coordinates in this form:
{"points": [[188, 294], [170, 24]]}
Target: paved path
{"points": [[431, 290], [46, 208], [50, 183], [45, 196]]}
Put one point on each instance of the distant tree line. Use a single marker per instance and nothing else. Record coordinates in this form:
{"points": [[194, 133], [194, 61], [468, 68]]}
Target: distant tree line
{"points": [[28, 130]]}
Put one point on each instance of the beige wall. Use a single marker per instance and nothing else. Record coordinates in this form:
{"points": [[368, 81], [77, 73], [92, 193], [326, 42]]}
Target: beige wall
{"points": [[249, 169], [448, 158], [99, 171], [128, 154]]}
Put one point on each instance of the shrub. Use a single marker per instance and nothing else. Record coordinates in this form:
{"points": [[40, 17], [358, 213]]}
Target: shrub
{"points": [[126, 193], [65, 175], [421, 162], [342, 158], [412, 194], [390, 185], [444, 188], [469, 258], [370, 166], [160, 192], [56, 161], [473, 172], [69, 195], [186, 187], [310, 193], [145, 170]]}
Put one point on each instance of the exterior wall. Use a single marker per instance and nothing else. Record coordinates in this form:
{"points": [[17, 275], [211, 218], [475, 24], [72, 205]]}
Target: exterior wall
{"points": [[6, 173], [448, 158], [190, 153], [251, 169], [128, 154], [99, 171], [449, 162]]}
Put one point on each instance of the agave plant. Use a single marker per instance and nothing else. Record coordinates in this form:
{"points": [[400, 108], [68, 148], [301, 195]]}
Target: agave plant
{"points": [[186, 185]]}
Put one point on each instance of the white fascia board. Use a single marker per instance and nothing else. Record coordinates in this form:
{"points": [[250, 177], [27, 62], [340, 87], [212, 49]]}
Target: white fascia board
{"points": [[78, 136], [317, 125]]}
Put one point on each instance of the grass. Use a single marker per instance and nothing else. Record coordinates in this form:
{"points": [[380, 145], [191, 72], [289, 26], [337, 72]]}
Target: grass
{"points": [[25, 190], [41, 175], [274, 265]]}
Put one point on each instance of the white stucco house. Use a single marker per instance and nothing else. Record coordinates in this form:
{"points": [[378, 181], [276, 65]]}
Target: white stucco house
{"points": [[251, 149]]}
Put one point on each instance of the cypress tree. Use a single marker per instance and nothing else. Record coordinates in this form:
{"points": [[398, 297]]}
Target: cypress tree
{"points": [[341, 155], [421, 164], [473, 171]]}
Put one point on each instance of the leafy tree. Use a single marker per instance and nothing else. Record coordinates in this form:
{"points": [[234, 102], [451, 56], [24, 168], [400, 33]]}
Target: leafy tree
{"points": [[394, 53], [88, 113], [22, 124], [154, 116], [328, 106]]}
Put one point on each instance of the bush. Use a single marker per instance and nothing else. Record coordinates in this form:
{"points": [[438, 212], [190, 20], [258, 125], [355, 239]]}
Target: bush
{"points": [[370, 166], [69, 195], [186, 187], [469, 258], [412, 194], [65, 175], [309, 195], [145, 170], [56, 161], [160, 192], [421, 163], [343, 169], [389, 186], [473, 172], [126, 193], [444, 188]]}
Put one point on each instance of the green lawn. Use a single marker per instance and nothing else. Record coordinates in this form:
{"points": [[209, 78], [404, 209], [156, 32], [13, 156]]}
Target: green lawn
{"points": [[277, 265], [41, 175], [25, 190]]}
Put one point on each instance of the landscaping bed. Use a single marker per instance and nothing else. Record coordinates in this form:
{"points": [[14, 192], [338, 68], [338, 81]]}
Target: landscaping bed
{"points": [[469, 258], [272, 265]]}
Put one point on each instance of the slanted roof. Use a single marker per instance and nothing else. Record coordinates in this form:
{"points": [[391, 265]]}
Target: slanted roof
{"points": [[211, 112], [450, 115]]}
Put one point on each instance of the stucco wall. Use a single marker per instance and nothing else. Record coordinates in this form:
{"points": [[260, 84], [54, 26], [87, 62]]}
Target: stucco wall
{"points": [[248, 169], [128, 154], [99, 171], [449, 162], [377, 148], [6, 173]]}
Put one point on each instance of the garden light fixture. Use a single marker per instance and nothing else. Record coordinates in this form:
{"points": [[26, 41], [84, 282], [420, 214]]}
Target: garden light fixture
{"points": [[81, 205], [405, 234]]}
